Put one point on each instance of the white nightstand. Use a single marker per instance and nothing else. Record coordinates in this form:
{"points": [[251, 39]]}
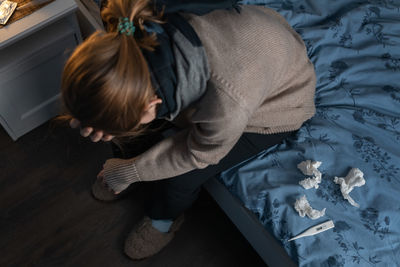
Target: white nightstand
{"points": [[33, 51]]}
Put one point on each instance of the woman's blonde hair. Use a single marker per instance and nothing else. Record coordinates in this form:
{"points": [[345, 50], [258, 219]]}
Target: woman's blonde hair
{"points": [[106, 82]]}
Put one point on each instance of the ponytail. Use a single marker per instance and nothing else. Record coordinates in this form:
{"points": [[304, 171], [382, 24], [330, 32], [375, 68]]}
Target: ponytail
{"points": [[137, 11]]}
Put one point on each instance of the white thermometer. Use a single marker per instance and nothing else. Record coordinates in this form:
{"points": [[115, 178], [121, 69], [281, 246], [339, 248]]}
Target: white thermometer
{"points": [[315, 229]]}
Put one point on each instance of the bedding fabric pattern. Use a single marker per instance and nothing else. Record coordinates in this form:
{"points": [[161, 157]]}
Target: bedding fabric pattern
{"points": [[355, 48]]}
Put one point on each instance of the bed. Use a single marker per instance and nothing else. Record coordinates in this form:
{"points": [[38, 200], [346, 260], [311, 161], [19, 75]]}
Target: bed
{"points": [[355, 48]]}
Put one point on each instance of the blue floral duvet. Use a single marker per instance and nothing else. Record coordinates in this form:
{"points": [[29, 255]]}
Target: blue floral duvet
{"points": [[355, 48]]}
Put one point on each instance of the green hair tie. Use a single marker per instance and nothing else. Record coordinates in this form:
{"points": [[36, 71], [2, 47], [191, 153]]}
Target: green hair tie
{"points": [[125, 26]]}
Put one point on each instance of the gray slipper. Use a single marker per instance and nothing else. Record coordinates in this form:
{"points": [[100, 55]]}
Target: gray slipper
{"points": [[101, 192], [145, 241]]}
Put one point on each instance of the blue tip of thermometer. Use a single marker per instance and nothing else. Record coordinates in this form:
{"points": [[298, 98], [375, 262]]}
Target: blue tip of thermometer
{"points": [[315, 230]]}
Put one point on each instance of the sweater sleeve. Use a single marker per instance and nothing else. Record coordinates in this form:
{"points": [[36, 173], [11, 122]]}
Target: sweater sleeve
{"points": [[216, 127]]}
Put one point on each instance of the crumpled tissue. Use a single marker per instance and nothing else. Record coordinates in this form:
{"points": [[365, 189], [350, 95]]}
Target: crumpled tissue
{"points": [[354, 178], [309, 167], [303, 208]]}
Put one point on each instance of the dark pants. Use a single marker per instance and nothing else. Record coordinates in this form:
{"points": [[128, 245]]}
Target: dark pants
{"points": [[172, 196]]}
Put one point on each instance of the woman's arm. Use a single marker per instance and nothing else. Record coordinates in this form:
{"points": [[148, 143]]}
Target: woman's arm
{"points": [[217, 125]]}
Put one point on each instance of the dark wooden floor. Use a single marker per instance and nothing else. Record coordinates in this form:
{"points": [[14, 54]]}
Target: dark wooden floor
{"points": [[49, 218]]}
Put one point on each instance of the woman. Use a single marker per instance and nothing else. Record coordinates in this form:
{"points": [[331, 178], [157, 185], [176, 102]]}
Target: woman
{"points": [[233, 82]]}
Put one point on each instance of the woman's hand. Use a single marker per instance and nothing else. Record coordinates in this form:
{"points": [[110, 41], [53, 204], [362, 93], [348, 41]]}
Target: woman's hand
{"points": [[101, 177], [95, 136], [119, 174]]}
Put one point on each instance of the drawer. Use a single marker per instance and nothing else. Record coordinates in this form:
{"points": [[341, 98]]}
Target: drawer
{"points": [[30, 76]]}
